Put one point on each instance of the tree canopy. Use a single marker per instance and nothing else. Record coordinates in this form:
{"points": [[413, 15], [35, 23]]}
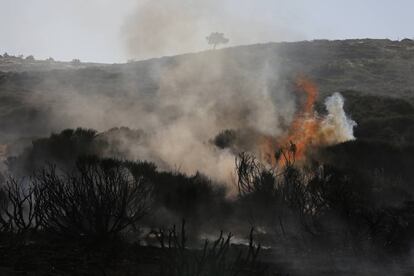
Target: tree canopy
{"points": [[216, 38]]}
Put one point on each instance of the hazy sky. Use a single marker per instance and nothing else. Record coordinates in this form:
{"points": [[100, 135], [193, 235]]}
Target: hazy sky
{"points": [[107, 30]]}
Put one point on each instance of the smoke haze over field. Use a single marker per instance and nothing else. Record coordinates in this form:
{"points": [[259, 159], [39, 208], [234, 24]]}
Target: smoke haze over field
{"points": [[158, 28], [226, 138], [197, 98], [194, 98]]}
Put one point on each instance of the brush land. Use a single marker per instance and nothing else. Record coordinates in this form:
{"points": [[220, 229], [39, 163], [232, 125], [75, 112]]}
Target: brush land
{"points": [[79, 201]]}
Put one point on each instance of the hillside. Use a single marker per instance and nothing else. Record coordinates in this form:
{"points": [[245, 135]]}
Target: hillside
{"points": [[34, 94], [142, 168]]}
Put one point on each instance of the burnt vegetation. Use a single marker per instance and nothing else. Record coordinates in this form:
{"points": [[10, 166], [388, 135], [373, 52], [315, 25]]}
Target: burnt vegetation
{"points": [[95, 205], [353, 197], [69, 207]]}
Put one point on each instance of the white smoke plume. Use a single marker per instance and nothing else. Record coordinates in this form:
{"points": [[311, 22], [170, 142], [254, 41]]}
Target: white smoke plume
{"points": [[336, 127]]}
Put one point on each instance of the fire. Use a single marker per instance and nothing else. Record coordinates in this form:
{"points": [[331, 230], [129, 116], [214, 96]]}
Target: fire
{"points": [[302, 132], [311, 90], [305, 125], [267, 147], [308, 129]]}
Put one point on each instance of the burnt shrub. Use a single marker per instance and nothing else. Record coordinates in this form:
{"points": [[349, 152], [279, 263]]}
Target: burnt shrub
{"points": [[19, 207], [386, 166], [175, 195], [339, 208], [218, 257], [187, 195], [193, 197], [97, 200]]}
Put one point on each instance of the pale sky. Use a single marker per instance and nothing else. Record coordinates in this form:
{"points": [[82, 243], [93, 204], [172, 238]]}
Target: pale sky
{"points": [[95, 30]]}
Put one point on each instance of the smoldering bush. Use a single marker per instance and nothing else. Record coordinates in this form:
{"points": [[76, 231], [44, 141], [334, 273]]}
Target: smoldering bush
{"points": [[316, 200]]}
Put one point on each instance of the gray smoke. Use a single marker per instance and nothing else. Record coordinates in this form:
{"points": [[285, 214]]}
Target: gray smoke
{"points": [[177, 105], [167, 27], [199, 97]]}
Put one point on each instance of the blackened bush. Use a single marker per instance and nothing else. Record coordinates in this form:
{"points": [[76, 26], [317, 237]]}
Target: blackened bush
{"points": [[347, 193], [5, 223], [142, 169], [363, 156], [61, 149], [195, 197], [386, 167], [307, 196], [19, 209], [249, 171], [98, 200], [332, 204], [188, 196]]}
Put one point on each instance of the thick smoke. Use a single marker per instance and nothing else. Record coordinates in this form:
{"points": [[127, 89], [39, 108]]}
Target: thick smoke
{"points": [[193, 99], [198, 98], [182, 103], [178, 108]]}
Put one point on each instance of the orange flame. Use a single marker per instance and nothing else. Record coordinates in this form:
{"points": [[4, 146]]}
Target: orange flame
{"points": [[302, 131], [311, 90], [267, 148]]}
